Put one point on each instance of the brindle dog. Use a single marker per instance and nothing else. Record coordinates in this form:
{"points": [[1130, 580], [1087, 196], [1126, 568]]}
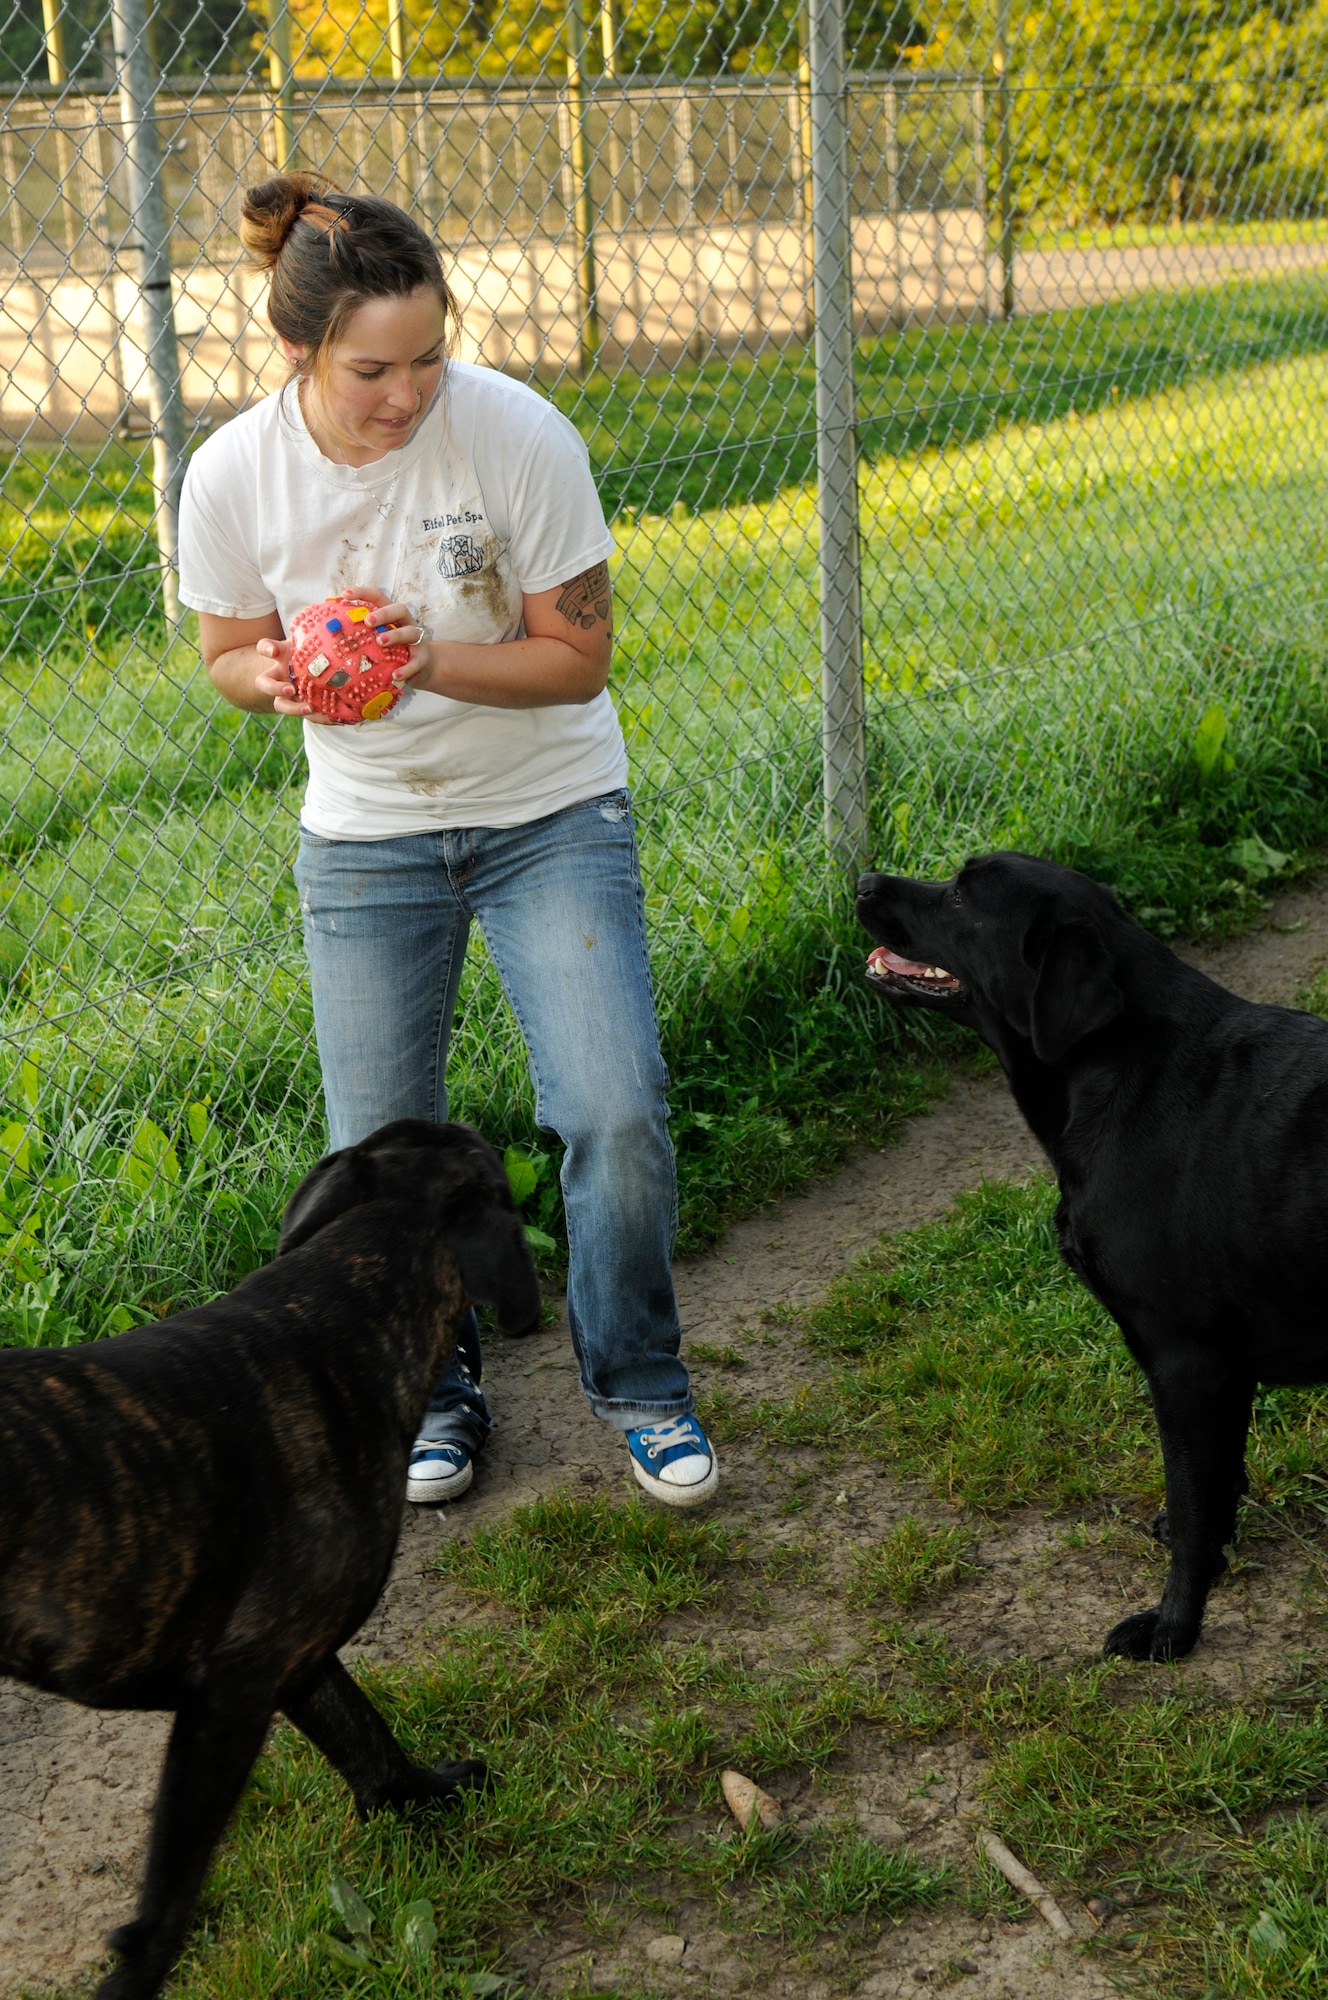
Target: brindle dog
{"points": [[196, 1515]]}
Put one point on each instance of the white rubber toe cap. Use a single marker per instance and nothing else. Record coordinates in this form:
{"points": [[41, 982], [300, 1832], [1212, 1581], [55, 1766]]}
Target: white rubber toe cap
{"points": [[437, 1480], [685, 1483]]}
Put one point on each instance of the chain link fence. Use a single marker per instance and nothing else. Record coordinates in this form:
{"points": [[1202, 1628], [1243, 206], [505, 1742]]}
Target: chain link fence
{"points": [[956, 391]]}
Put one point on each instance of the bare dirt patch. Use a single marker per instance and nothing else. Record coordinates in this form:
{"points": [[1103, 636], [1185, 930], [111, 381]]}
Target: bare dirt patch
{"points": [[76, 1786]]}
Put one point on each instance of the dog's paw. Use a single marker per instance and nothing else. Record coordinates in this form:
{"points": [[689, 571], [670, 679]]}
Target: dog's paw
{"points": [[125, 1983], [1160, 1530], [1133, 1637], [471, 1774], [425, 1785], [131, 1981], [1145, 1637], [134, 1978]]}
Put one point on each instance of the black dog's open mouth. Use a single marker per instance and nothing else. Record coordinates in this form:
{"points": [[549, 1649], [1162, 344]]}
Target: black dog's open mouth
{"points": [[893, 974]]}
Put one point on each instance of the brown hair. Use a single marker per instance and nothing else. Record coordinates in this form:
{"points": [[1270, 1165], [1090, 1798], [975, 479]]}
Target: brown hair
{"points": [[329, 253]]}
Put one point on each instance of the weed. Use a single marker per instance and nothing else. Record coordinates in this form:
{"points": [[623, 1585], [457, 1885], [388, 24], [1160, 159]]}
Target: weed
{"points": [[714, 1357], [561, 1554], [910, 1564], [859, 1882]]}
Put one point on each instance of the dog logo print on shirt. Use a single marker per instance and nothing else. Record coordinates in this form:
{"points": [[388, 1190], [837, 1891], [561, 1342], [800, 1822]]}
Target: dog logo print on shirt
{"points": [[459, 555]]}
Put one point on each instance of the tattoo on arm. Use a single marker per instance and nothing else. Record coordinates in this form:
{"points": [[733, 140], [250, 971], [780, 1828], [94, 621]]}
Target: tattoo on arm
{"points": [[586, 600]]}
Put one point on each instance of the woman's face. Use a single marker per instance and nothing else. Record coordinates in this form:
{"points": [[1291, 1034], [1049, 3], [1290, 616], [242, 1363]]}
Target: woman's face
{"points": [[380, 376]]}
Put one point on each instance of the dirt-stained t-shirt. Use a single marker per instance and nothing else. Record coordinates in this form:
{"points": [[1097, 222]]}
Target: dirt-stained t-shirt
{"points": [[492, 497]]}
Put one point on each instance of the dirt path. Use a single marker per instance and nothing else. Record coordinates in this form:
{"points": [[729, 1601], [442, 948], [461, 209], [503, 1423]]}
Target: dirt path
{"points": [[75, 1786]]}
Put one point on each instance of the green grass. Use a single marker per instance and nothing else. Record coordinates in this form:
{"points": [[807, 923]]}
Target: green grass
{"points": [[911, 1564], [712, 436], [966, 1354], [1177, 1805], [1198, 1813], [1045, 233], [1064, 613], [606, 1738], [1268, 1935], [733, 432], [585, 1654]]}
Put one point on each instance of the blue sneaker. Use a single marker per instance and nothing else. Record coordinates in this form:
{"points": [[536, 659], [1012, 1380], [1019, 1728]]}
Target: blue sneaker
{"points": [[438, 1472], [674, 1461]]}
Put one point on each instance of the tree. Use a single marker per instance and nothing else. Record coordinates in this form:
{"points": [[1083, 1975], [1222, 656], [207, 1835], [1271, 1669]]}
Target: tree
{"points": [[1215, 107], [497, 38]]}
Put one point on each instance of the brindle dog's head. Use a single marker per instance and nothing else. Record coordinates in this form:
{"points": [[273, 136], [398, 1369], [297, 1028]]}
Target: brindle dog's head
{"points": [[450, 1179], [1010, 946]]}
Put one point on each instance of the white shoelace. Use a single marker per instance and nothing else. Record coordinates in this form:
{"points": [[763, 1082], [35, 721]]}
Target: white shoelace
{"points": [[668, 1432]]}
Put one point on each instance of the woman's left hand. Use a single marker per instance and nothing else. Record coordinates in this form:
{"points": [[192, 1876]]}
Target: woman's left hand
{"points": [[397, 625]]}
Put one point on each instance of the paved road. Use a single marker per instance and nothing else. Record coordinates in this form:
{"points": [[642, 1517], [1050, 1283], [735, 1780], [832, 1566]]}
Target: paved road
{"points": [[1053, 280]]}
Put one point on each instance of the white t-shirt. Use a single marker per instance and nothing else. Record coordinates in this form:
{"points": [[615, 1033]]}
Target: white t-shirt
{"points": [[491, 497]]}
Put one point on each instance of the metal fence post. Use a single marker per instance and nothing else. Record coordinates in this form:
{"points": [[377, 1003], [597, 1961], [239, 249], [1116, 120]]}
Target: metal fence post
{"points": [[282, 79], [408, 123], [844, 754], [57, 71], [1004, 210], [980, 187], [608, 28], [893, 199], [583, 213], [150, 234]]}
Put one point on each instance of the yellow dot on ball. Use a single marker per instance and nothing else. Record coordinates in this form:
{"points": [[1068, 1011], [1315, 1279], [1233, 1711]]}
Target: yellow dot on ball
{"points": [[357, 612], [377, 704]]}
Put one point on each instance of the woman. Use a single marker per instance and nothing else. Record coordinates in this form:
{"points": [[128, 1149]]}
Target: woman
{"points": [[463, 503]]}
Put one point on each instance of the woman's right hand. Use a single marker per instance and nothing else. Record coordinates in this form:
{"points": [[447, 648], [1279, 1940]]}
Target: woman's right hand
{"points": [[276, 682]]}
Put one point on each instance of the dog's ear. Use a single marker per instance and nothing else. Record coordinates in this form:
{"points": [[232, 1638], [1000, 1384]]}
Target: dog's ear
{"points": [[493, 1256], [1075, 992], [341, 1181]]}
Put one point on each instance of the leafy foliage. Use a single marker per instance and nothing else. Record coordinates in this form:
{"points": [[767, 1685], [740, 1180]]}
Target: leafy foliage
{"points": [[1154, 112]]}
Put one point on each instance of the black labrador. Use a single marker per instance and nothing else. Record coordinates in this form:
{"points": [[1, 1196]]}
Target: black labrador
{"points": [[195, 1515], [1188, 1131]]}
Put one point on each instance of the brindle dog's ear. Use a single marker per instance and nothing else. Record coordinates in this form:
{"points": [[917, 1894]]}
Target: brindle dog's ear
{"points": [[494, 1259], [341, 1181], [1075, 992]]}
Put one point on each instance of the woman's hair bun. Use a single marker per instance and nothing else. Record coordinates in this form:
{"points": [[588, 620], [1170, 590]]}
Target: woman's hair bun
{"points": [[272, 209]]}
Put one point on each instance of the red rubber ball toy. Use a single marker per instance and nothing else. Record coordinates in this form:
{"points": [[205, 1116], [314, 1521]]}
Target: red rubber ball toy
{"points": [[340, 664]]}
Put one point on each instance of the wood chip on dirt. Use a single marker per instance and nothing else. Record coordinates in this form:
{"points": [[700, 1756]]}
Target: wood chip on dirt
{"points": [[747, 1802]]}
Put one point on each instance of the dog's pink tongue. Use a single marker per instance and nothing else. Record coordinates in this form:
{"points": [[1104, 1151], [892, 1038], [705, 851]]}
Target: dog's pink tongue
{"points": [[885, 960]]}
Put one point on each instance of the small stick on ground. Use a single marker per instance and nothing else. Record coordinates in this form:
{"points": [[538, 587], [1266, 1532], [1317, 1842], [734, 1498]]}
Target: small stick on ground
{"points": [[1027, 1884]]}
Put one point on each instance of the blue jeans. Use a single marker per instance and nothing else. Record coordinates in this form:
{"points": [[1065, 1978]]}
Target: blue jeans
{"points": [[560, 904]]}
